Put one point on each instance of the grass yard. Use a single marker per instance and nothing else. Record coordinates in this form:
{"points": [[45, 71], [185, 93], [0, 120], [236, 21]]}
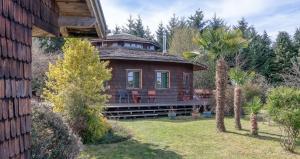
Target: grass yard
{"points": [[194, 139]]}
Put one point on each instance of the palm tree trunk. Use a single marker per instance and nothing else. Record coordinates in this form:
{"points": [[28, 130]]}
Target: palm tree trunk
{"points": [[237, 107], [221, 82], [254, 126]]}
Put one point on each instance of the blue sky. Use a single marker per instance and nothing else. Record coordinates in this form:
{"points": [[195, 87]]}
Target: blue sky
{"points": [[270, 15]]}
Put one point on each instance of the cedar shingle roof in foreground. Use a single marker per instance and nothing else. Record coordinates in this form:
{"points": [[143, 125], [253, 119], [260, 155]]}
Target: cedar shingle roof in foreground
{"points": [[144, 55]]}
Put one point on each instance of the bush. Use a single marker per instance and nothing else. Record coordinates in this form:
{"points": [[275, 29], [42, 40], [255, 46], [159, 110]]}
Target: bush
{"points": [[85, 119], [75, 87], [284, 107], [51, 137]]}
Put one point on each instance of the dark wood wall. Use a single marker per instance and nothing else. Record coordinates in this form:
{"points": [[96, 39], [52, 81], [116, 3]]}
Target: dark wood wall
{"points": [[17, 18], [172, 94]]}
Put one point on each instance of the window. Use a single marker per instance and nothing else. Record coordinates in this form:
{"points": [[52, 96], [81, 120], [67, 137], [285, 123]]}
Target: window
{"points": [[186, 80], [133, 79], [162, 79]]}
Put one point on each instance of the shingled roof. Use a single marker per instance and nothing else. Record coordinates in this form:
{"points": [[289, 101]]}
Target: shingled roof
{"points": [[126, 37], [144, 55]]}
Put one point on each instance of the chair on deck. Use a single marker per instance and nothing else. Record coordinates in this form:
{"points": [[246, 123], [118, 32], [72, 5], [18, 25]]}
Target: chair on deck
{"points": [[123, 94], [151, 96], [186, 95], [136, 97]]}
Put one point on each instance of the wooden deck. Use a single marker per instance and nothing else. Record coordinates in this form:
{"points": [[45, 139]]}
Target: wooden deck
{"points": [[146, 110]]}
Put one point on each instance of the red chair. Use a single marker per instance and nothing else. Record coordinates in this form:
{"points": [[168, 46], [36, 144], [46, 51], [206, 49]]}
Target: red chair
{"points": [[151, 96], [136, 97]]}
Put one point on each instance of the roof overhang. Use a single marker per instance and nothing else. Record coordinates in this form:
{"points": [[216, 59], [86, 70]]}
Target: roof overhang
{"points": [[76, 18], [196, 67], [81, 18]]}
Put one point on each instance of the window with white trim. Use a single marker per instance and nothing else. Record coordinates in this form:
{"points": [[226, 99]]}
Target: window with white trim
{"points": [[134, 79], [162, 79]]}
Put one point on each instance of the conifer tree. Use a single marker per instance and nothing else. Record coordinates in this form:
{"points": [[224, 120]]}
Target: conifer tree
{"points": [[139, 28], [284, 51], [117, 30], [160, 33], [130, 26], [296, 40], [197, 21], [216, 23]]}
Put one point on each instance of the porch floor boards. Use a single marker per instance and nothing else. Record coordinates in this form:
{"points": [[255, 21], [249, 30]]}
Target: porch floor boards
{"points": [[148, 110]]}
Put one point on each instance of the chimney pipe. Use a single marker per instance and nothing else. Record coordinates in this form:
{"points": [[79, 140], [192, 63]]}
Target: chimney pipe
{"points": [[164, 43]]}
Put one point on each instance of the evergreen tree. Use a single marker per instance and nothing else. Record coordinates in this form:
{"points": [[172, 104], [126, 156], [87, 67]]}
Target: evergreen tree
{"points": [[139, 28], [284, 53], [148, 34], [160, 33], [117, 30], [297, 40], [244, 28], [130, 26], [173, 24], [196, 21], [284, 50], [216, 23]]}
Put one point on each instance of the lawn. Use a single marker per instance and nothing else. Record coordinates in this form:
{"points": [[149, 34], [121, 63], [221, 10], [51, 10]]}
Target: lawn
{"points": [[195, 139]]}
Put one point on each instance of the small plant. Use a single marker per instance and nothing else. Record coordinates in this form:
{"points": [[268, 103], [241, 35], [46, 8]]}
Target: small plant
{"points": [[284, 107], [172, 113], [254, 106], [195, 112]]}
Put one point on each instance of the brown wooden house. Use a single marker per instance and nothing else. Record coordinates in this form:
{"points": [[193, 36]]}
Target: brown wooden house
{"points": [[20, 20], [144, 76]]}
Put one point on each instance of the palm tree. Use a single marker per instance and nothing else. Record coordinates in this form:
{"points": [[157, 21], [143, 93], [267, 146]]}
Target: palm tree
{"points": [[239, 78], [218, 44], [254, 106]]}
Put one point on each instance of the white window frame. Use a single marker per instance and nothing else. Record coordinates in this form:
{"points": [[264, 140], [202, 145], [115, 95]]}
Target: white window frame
{"points": [[169, 79], [141, 79]]}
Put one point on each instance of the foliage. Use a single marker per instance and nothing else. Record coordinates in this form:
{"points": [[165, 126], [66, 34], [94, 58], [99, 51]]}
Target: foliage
{"points": [[296, 40], [284, 107], [117, 30], [197, 21], [284, 54], [182, 41], [240, 77], [160, 34], [216, 23], [136, 27], [205, 79], [292, 76], [220, 43], [51, 44], [84, 119], [75, 87], [255, 105], [51, 137]]}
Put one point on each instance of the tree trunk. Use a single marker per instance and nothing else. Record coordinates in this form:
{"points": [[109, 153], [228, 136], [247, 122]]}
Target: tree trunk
{"points": [[221, 82], [254, 127], [237, 107]]}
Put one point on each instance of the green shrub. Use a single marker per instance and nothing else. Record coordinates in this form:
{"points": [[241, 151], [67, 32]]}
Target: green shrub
{"points": [[85, 119], [284, 107], [51, 137]]}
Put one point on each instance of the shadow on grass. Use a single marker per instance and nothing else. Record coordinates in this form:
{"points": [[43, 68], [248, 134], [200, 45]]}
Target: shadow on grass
{"points": [[260, 136], [132, 149]]}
